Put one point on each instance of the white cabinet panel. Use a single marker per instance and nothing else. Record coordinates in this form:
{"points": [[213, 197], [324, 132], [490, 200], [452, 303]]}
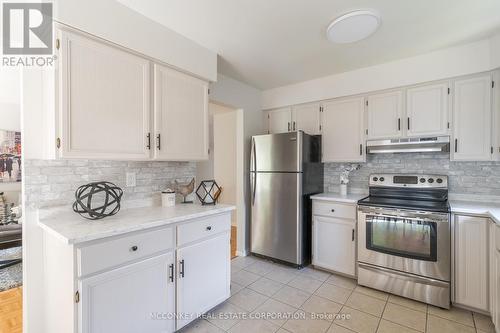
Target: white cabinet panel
{"points": [[471, 262], [385, 115], [306, 118], [123, 300], [180, 116], [334, 244], [103, 100], [427, 110], [472, 119], [496, 116], [203, 277], [343, 137], [279, 120]]}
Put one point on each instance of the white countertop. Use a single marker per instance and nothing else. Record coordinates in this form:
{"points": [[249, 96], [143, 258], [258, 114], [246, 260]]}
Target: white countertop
{"points": [[349, 198], [71, 228], [487, 209]]}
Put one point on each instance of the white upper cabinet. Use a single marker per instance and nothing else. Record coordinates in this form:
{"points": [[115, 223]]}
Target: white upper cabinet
{"points": [[306, 117], [472, 119], [279, 120], [385, 113], [103, 100], [427, 110], [180, 116], [496, 116], [343, 137]]}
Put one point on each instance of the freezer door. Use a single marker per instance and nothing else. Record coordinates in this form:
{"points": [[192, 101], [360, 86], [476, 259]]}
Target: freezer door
{"points": [[277, 152], [277, 224]]}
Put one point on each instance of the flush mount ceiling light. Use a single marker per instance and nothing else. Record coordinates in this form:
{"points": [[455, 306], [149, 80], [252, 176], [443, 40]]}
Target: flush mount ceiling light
{"points": [[353, 26]]}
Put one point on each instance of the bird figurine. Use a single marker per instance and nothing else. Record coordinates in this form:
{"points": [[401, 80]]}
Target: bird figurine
{"points": [[185, 189]]}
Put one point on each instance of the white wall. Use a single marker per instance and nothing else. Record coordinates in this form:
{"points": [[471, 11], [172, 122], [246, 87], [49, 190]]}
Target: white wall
{"points": [[495, 51], [10, 118], [115, 22], [225, 146], [442, 64], [242, 96]]}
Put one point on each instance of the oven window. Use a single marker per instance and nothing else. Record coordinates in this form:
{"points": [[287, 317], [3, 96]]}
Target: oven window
{"points": [[402, 237]]}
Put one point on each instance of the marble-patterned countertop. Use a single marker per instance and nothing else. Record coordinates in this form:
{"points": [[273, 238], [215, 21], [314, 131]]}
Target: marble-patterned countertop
{"points": [[487, 209], [71, 228], [337, 197]]}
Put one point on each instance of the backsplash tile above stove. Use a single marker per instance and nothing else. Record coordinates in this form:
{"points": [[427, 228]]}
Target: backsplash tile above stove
{"points": [[481, 179], [53, 182]]}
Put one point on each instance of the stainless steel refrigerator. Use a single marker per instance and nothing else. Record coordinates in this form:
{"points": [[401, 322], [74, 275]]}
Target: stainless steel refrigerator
{"points": [[285, 169]]}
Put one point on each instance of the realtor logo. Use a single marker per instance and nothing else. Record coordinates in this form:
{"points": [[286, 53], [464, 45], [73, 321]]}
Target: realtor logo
{"points": [[27, 28]]}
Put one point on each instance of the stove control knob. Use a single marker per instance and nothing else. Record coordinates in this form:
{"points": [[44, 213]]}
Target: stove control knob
{"points": [[439, 180], [375, 179], [431, 180], [422, 180], [382, 179]]}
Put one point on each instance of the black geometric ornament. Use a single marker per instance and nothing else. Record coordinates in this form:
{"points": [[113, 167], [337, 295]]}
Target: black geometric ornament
{"points": [[107, 194], [208, 192]]}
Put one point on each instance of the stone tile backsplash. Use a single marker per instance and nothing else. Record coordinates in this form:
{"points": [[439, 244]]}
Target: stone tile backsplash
{"points": [[53, 182], [473, 179]]}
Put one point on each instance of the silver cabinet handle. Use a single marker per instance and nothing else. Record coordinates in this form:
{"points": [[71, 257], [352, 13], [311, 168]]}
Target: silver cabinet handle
{"points": [[171, 275], [288, 126], [181, 272], [353, 235]]}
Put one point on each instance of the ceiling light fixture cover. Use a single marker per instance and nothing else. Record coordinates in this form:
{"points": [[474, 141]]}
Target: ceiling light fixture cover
{"points": [[353, 26]]}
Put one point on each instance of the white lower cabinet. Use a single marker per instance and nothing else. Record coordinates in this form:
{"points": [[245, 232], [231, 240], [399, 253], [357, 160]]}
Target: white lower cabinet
{"points": [[134, 298], [471, 262], [203, 277], [334, 238], [154, 281]]}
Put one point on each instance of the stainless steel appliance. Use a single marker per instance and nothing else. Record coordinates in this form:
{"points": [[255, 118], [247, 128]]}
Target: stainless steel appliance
{"points": [[285, 169], [409, 145], [404, 237]]}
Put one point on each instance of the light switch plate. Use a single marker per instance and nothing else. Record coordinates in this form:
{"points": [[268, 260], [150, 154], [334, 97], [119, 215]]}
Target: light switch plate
{"points": [[130, 179]]}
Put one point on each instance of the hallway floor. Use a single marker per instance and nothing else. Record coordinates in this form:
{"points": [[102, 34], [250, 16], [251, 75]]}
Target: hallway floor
{"points": [[11, 311]]}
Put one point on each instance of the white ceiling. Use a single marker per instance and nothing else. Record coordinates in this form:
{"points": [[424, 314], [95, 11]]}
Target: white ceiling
{"points": [[271, 43]]}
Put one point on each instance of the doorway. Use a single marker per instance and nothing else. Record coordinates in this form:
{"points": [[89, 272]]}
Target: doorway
{"points": [[225, 163]]}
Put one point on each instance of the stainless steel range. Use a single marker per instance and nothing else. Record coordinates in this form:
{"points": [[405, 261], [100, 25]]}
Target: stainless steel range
{"points": [[404, 237]]}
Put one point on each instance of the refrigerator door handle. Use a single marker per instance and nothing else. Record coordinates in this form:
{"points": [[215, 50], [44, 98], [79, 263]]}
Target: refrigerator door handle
{"points": [[253, 170]]}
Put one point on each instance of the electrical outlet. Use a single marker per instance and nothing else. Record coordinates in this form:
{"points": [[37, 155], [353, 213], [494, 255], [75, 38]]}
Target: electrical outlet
{"points": [[130, 179]]}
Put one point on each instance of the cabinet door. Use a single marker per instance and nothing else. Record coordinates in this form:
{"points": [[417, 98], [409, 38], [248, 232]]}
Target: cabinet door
{"points": [[334, 244], [427, 110], [496, 313], [306, 118], [180, 116], [493, 293], [385, 115], [279, 121], [203, 277], [128, 299], [496, 116], [471, 262], [103, 100], [472, 119], [343, 137]]}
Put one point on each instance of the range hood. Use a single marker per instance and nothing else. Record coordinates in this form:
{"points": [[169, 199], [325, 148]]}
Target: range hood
{"points": [[409, 145]]}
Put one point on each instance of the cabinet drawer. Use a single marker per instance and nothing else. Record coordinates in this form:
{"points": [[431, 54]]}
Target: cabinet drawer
{"points": [[114, 252], [202, 228], [334, 209]]}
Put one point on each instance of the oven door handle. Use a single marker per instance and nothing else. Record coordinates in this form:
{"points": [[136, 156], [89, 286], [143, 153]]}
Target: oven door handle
{"points": [[408, 276], [426, 217]]}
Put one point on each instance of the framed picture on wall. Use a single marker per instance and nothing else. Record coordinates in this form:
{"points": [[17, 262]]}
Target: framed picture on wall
{"points": [[10, 156]]}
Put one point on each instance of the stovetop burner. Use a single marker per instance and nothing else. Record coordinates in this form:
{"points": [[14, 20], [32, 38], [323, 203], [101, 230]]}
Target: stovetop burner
{"points": [[415, 192]]}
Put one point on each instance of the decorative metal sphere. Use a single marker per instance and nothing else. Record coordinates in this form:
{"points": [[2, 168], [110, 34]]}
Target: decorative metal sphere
{"points": [[97, 200]]}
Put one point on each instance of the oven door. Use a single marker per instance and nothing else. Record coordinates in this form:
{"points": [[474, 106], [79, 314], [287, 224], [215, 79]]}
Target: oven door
{"points": [[404, 240]]}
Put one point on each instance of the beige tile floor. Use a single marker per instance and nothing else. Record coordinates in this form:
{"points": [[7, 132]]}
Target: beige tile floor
{"points": [[310, 301]]}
